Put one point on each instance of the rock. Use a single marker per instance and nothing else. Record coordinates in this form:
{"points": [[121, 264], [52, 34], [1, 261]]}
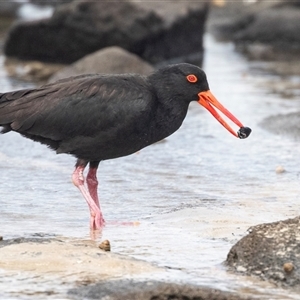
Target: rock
{"points": [[280, 169], [133, 290], [105, 245], [79, 267], [154, 31], [265, 30], [283, 124], [31, 70], [277, 27], [9, 8], [271, 252], [288, 267], [111, 60], [181, 36], [67, 260]]}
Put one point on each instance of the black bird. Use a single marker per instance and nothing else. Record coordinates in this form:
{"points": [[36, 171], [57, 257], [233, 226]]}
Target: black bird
{"points": [[97, 117]]}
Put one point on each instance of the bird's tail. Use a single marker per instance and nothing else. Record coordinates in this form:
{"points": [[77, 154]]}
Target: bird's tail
{"points": [[11, 96], [9, 107]]}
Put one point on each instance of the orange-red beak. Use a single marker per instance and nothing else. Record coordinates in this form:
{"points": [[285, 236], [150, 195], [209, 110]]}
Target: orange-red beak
{"points": [[207, 99]]}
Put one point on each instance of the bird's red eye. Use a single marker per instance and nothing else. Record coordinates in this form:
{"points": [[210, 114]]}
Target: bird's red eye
{"points": [[192, 78]]}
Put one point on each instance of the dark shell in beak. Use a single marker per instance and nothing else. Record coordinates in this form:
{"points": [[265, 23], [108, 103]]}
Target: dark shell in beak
{"points": [[244, 132]]}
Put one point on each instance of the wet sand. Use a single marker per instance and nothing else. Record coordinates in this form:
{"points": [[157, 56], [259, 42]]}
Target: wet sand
{"points": [[68, 260]]}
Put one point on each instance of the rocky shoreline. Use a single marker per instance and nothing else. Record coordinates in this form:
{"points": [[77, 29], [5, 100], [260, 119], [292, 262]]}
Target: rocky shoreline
{"points": [[91, 273]]}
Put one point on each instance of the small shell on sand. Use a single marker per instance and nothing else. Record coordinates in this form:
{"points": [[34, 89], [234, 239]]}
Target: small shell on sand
{"points": [[280, 169], [288, 267], [105, 245]]}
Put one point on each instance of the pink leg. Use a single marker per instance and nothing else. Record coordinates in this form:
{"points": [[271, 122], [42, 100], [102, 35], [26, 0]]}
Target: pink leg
{"points": [[96, 221], [92, 184]]}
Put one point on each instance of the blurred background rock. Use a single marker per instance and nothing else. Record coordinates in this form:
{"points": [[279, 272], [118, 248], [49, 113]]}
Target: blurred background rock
{"points": [[62, 33]]}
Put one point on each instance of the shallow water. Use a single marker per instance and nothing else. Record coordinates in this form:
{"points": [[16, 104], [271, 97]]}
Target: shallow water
{"points": [[194, 194]]}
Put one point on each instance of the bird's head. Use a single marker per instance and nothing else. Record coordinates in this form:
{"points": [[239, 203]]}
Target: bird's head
{"points": [[190, 83]]}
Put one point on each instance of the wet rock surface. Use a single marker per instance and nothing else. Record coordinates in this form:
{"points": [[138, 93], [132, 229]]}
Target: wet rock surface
{"points": [[150, 290], [111, 60], [67, 260], [270, 251], [79, 28], [93, 273]]}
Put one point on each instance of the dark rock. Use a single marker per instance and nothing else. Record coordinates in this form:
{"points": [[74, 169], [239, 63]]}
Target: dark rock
{"points": [[266, 30], [278, 27], [79, 28], [150, 290], [111, 60], [181, 36], [270, 251], [283, 124], [9, 8], [82, 27]]}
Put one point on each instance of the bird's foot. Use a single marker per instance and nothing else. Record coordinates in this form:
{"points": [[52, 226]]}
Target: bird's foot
{"points": [[97, 222]]}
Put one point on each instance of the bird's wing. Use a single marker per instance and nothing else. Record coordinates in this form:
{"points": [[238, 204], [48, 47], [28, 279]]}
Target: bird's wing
{"points": [[79, 106]]}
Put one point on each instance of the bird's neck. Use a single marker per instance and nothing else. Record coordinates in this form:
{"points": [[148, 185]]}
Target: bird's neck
{"points": [[171, 109], [169, 116]]}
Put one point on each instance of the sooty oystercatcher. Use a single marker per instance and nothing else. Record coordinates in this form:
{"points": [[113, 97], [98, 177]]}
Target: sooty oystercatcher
{"points": [[97, 117]]}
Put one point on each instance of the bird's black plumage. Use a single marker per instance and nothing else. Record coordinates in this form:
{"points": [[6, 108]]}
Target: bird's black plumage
{"points": [[98, 117]]}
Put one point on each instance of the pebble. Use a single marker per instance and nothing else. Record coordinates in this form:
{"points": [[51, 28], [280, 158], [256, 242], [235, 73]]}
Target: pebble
{"points": [[288, 267], [105, 245], [279, 169]]}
